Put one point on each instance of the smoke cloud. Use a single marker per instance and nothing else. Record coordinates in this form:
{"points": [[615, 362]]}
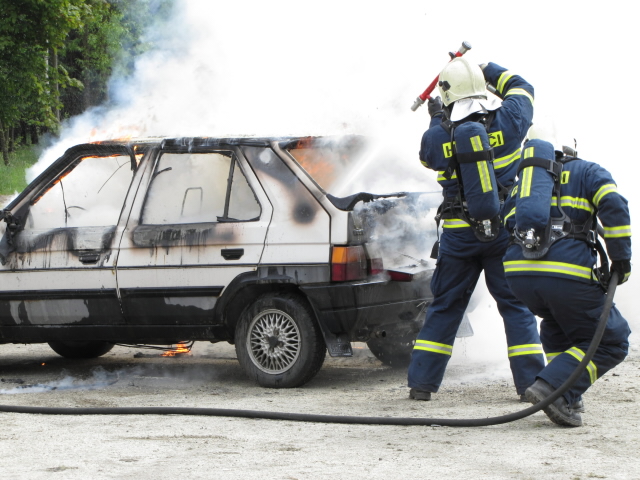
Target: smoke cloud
{"points": [[251, 68]]}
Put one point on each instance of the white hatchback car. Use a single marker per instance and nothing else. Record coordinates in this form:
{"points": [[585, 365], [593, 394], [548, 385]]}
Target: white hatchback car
{"points": [[219, 239]]}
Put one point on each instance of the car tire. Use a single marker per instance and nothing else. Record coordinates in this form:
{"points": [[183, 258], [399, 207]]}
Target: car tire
{"points": [[81, 349], [392, 351], [278, 341]]}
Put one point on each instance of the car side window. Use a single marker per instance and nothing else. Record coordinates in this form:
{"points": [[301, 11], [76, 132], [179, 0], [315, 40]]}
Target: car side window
{"points": [[90, 194], [198, 188]]}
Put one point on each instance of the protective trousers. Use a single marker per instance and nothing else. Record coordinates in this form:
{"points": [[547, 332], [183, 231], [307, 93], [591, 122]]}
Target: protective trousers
{"points": [[570, 311], [452, 284]]}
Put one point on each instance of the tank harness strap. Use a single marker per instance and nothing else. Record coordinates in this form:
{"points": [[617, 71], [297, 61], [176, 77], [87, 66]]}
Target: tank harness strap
{"points": [[474, 157], [551, 166]]}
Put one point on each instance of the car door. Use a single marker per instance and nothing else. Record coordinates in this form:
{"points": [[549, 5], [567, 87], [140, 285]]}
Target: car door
{"points": [[199, 220], [57, 258]]}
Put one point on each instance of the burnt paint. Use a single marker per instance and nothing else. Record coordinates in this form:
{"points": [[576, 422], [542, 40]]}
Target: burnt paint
{"points": [[97, 238], [170, 306], [182, 235], [101, 306], [265, 161]]}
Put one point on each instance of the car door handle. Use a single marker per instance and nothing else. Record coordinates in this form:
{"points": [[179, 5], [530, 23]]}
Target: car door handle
{"points": [[232, 253], [89, 257]]}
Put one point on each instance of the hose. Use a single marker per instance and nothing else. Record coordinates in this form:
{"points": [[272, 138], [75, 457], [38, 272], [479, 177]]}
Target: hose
{"points": [[345, 419]]}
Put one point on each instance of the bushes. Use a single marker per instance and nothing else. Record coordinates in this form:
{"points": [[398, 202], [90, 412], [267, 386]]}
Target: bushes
{"points": [[12, 178]]}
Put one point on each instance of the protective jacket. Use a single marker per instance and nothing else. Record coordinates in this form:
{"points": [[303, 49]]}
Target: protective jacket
{"points": [[509, 125], [462, 256], [559, 287], [586, 190]]}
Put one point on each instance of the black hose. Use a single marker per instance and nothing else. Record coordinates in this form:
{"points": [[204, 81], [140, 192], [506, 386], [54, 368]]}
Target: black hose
{"points": [[305, 417]]}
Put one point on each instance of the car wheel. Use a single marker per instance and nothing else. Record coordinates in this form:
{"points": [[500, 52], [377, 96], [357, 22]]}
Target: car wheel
{"points": [[392, 351], [278, 342], [81, 349]]}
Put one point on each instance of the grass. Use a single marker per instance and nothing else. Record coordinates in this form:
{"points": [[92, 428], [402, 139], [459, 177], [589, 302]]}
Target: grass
{"points": [[12, 176]]}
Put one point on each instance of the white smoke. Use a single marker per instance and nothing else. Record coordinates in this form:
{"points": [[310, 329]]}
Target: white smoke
{"points": [[250, 68], [100, 378]]}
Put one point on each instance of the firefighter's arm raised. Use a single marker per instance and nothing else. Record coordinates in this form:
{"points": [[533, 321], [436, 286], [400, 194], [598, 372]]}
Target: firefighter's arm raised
{"points": [[516, 94]]}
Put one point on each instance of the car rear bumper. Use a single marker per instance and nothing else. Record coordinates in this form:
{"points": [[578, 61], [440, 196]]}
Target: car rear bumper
{"points": [[358, 311]]}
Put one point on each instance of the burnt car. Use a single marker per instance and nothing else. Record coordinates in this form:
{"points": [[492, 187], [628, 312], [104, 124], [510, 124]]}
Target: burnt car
{"points": [[160, 241]]}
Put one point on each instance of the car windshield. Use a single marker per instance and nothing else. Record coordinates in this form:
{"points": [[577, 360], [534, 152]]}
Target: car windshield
{"points": [[345, 165]]}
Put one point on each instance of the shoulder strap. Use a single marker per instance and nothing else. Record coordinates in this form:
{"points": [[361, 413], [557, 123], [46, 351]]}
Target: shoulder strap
{"points": [[551, 166]]}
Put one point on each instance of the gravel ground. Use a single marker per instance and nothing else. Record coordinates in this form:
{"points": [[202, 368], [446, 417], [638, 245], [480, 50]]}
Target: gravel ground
{"points": [[157, 447], [153, 447]]}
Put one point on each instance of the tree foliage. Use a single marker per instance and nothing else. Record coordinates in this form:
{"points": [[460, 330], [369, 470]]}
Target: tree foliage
{"points": [[56, 57]]}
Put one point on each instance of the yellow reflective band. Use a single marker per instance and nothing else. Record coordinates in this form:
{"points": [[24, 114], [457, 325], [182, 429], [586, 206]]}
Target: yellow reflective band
{"points": [[617, 232], [604, 190], [511, 213], [454, 223], [424, 164], [476, 143], [525, 184], [520, 91], [502, 80], [578, 354], [573, 202], [545, 266], [441, 176], [485, 178], [551, 356], [528, 152], [433, 347], [506, 160], [529, 349]]}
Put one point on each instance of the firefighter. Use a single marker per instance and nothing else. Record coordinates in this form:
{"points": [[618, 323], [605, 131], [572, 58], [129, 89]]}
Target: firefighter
{"points": [[551, 269], [470, 245]]}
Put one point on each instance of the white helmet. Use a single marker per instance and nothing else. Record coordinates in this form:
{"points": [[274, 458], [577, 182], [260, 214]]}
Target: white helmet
{"points": [[463, 83], [546, 130]]}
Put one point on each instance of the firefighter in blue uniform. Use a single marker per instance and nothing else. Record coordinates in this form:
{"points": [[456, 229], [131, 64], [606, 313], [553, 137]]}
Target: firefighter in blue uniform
{"points": [[467, 245], [558, 283]]}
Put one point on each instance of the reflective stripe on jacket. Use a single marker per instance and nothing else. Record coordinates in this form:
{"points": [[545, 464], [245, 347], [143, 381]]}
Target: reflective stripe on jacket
{"points": [[585, 189]]}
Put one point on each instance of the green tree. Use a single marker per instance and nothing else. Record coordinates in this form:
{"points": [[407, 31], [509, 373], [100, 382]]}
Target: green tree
{"points": [[31, 33], [57, 56]]}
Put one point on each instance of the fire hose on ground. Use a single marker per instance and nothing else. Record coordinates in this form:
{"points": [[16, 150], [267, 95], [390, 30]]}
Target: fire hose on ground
{"points": [[345, 419]]}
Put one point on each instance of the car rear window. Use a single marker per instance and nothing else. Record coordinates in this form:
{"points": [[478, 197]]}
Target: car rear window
{"points": [[330, 162]]}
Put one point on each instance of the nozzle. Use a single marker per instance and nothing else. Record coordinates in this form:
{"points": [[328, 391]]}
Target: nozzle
{"points": [[464, 48], [417, 104]]}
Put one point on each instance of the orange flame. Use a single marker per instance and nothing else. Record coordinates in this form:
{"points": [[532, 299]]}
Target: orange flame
{"points": [[180, 348]]}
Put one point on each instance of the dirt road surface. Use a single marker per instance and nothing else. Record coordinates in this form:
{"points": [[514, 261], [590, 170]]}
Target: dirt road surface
{"points": [[188, 447]]}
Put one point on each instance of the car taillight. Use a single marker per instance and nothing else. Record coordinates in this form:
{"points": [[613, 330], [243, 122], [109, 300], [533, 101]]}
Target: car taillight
{"points": [[348, 263], [376, 266]]}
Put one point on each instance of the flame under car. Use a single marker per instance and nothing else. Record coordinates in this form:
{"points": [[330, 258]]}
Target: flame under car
{"points": [[209, 239]]}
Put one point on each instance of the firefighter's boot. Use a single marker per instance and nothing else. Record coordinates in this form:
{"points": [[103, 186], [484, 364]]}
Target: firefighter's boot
{"points": [[560, 412], [415, 394]]}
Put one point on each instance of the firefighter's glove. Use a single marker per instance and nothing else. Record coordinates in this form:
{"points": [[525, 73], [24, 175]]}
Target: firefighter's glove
{"points": [[435, 106], [623, 267]]}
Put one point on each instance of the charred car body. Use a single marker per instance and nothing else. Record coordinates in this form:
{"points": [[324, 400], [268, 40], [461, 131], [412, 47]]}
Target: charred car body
{"points": [[226, 239]]}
